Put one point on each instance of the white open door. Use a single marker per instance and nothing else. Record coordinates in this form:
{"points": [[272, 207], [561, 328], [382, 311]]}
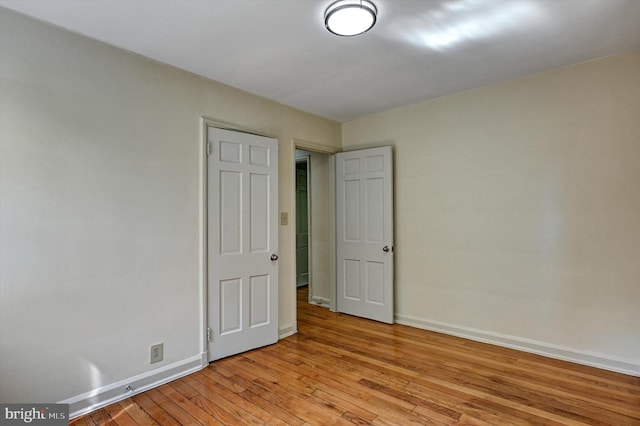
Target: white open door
{"points": [[364, 228], [242, 242]]}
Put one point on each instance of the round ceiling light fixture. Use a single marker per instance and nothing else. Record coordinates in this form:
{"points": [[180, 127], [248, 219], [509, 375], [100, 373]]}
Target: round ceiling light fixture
{"points": [[350, 17]]}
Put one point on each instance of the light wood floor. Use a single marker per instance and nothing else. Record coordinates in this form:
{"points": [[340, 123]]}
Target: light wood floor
{"points": [[344, 370]]}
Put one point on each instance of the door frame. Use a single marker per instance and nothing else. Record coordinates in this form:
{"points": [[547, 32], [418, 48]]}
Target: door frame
{"points": [[329, 151], [203, 276]]}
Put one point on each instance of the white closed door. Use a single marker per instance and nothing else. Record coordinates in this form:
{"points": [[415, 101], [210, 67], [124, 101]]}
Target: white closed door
{"points": [[364, 227], [242, 242]]}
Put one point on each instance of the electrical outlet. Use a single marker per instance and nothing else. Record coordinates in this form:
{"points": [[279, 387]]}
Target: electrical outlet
{"points": [[156, 352]]}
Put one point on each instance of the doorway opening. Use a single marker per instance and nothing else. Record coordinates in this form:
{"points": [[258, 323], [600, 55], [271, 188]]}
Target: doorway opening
{"points": [[313, 225], [302, 221]]}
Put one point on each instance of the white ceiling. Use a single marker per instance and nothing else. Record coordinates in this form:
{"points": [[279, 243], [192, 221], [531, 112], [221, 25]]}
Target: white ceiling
{"points": [[419, 49]]}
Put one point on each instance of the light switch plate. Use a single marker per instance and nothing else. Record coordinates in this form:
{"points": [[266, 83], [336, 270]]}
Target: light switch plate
{"points": [[284, 218]]}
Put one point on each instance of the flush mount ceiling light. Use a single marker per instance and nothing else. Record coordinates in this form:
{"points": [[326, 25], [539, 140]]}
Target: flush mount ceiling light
{"points": [[350, 17]]}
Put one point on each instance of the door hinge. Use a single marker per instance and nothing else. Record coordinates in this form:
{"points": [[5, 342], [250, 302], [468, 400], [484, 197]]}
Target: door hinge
{"points": [[209, 335], [208, 148]]}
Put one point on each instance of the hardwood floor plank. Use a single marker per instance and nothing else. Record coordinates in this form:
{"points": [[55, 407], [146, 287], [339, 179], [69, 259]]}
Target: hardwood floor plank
{"points": [[343, 370], [82, 421], [101, 417], [136, 412], [277, 412], [232, 396], [187, 405], [119, 415], [154, 411], [353, 408], [175, 410], [355, 419], [207, 404]]}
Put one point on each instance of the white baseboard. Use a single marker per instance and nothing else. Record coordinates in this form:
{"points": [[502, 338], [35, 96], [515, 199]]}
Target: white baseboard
{"points": [[593, 359], [105, 395], [287, 331], [320, 301]]}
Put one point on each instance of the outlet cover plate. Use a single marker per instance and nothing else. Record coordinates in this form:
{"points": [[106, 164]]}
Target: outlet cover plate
{"points": [[156, 352]]}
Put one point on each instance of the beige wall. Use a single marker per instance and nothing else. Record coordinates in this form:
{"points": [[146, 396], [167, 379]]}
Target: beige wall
{"points": [[517, 210], [100, 208]]}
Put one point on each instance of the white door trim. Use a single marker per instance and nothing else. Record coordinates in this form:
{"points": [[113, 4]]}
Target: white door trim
{"points": [[333, 256], [203, 240]]}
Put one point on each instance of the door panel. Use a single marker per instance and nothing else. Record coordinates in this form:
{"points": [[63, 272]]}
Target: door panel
{"points": [[375, 215], [259, 300], [352, 279], [231, 308], [242, 223], [364, 224], [259, 206], [375, 279], [351, 213], [230, 205]]}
